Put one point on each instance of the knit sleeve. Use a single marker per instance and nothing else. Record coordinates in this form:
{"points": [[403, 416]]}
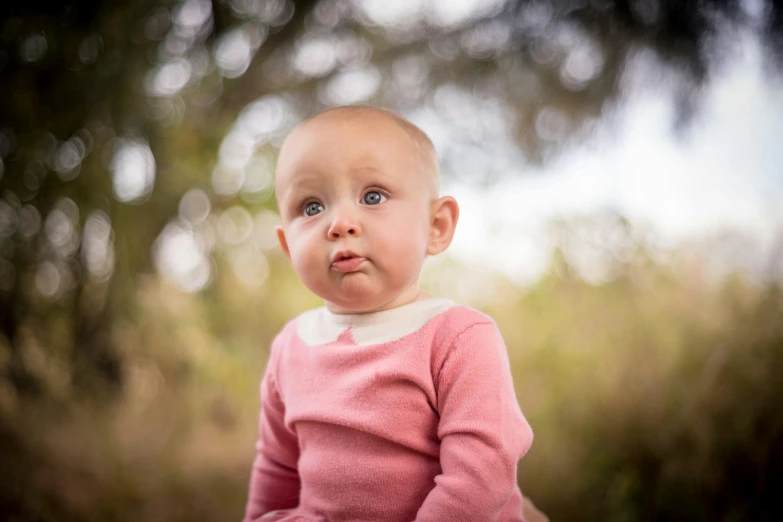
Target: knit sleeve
{"points": [[274, 480], [482, 432]]}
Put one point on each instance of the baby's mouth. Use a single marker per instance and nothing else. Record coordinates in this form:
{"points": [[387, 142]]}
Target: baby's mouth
{"points": [[348, 263]]}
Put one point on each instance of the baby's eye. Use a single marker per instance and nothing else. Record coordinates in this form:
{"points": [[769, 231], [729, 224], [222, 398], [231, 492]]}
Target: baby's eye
{"points": [[313, 208], [373, 198]]}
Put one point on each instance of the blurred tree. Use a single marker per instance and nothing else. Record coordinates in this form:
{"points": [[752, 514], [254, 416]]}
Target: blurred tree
{"points": [[110, 112]]}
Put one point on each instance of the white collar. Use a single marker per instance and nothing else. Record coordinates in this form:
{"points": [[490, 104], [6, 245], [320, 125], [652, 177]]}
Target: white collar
{"points": [[320, 326]]}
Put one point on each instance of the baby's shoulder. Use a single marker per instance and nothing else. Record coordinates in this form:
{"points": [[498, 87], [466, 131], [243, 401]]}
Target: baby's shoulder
{"points": [[442, 332], [285, 335], [459, 318]]}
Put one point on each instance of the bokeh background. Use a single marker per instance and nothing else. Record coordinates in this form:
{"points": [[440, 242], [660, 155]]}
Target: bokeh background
{"points": [[620, 169]]}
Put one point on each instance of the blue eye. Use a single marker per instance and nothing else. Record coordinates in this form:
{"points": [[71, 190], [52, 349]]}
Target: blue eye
{"points": [[373, 198], [313, 208]]}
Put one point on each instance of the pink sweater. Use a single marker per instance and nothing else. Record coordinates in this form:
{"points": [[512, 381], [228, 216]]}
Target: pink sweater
{"points": [[406, 414]]}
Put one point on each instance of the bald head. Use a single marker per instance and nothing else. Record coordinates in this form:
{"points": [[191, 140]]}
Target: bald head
{"points": [[420, 144]]}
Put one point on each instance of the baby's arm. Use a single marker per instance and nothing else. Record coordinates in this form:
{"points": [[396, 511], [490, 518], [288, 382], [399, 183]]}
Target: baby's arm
{"points": [[274, 482], [482, 431]]}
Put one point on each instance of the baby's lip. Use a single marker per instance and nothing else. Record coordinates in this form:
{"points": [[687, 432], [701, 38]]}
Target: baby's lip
{"points": [[347, 261], [342, 255]]}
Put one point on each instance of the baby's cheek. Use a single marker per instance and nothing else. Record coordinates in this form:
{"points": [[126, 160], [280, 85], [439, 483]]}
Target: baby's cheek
{"points": [[403, 263], [301, 262], [305, 268], [313, 271]]}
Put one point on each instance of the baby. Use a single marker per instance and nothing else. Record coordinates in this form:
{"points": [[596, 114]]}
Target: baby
{"points": [[387, 404]]}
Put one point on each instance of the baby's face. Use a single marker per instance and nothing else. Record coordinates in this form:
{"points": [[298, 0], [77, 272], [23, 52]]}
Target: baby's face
{"points": [[355, 206]]}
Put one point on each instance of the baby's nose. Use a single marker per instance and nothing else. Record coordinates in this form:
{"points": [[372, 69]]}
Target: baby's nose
{"points": [[343, 225], [337, 234]]}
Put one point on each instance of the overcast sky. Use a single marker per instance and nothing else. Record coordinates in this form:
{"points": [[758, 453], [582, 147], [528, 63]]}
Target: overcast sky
{"points": [[725, 171]]}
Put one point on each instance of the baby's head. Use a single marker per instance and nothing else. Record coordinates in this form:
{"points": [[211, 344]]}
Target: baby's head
{"points": [[357, 189]]}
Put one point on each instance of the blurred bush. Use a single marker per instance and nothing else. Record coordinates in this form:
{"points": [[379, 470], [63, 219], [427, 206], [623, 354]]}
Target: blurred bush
{"points": [[653, 396]]}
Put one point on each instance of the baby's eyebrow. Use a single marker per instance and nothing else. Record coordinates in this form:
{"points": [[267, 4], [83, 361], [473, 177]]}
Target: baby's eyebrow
{"points": [[373, 171], [294, 190], [306, 181]]}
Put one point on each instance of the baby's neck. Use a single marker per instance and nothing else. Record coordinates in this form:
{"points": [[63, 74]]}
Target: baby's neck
{"points": [[402, 299]]}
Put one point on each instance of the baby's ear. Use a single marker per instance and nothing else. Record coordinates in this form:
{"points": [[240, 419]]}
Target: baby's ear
{"points": [[444, 213], [283, 242]]}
